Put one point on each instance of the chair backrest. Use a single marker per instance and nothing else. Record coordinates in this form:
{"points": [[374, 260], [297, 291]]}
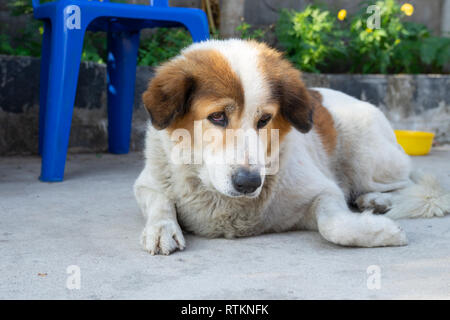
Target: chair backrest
{"points": [[154, 3], [159, 3], [37, 2]]}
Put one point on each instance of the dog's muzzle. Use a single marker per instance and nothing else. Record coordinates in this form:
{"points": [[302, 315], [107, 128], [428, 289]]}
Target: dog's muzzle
{"points": [[246, 181]]}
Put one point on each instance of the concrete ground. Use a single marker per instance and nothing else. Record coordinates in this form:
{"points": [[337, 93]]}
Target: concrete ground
{"points": [[91, 220]]}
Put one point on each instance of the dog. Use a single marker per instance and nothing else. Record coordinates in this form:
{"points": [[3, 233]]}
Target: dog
{"points": [[332, 152]]}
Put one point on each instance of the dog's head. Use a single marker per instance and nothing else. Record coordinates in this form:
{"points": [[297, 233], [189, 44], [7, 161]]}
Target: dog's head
{"points": [[240, 96]]}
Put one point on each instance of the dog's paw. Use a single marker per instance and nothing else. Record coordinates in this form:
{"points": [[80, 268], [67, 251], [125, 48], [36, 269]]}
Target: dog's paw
{"points": [[365, 230], [162, 237], [376, 201], [383, 232]]}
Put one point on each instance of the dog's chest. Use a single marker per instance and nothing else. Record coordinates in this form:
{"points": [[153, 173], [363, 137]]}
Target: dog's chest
{"points": [[210, 214]]}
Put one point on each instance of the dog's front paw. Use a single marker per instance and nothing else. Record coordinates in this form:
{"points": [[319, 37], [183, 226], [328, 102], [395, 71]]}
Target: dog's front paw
{"points": [[162, 237]]}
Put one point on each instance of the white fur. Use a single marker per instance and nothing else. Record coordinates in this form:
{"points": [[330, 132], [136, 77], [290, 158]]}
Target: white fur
{"points": [[424, 198], [311, 189]]}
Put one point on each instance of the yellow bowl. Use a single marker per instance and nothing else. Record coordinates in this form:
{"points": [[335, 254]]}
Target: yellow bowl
{"points": [[415, 143]]}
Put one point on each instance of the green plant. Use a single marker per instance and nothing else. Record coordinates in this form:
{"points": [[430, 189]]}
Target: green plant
{"points": [[5, 45], [247, 32], [311, 38], [315, 41], [28, 41], [397, 46], [94, 47], [435, 52], [162, 45], [372, 50], [421, 52], [21, 7]]}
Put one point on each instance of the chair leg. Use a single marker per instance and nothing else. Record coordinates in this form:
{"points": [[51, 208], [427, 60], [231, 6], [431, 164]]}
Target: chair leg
{"points": [[43, 82], [66, 49], [122, 60]]}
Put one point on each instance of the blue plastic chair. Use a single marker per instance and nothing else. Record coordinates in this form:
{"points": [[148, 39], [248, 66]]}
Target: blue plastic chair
{"points": [[65, 23]]}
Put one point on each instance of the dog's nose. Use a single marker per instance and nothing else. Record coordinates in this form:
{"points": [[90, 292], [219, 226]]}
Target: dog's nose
{"points": [[246, 181]]}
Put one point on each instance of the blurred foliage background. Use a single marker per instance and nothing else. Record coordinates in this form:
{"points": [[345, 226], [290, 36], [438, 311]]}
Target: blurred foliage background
{"points": [[319, 40], [316, 39]]}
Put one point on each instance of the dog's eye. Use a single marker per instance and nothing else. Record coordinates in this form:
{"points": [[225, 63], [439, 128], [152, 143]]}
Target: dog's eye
{"points": [[264, 120], [218, 118]]}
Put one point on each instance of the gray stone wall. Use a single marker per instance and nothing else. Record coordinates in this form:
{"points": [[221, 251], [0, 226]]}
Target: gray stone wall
{"points": [[19, 107], [410, 102], [419, 102]]}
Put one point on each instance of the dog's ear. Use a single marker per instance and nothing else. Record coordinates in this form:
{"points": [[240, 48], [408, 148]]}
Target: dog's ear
{"points": [[169, 94], [296, 104]]}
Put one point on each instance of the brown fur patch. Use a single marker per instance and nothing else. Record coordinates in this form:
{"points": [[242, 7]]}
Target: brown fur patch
{"points": [[323, 123], [298, 106], [203, 74], [278, 123], [287, 89]]}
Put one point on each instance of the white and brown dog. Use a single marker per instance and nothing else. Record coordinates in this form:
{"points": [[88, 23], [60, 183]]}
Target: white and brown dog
{"points": [[333, 150]]}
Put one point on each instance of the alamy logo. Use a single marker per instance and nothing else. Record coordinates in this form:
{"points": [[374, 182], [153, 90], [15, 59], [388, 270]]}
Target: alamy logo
{"points": [[373, 22], [73, 281], [72, 17], [374, 277], [232, 147]]}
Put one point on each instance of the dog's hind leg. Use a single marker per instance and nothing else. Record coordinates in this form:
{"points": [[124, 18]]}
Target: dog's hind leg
{"points": [[376, 201], [339, 225]]}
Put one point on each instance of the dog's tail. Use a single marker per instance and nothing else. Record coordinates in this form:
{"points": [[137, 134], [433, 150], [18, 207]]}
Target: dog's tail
{"points": [[424, 198]]}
